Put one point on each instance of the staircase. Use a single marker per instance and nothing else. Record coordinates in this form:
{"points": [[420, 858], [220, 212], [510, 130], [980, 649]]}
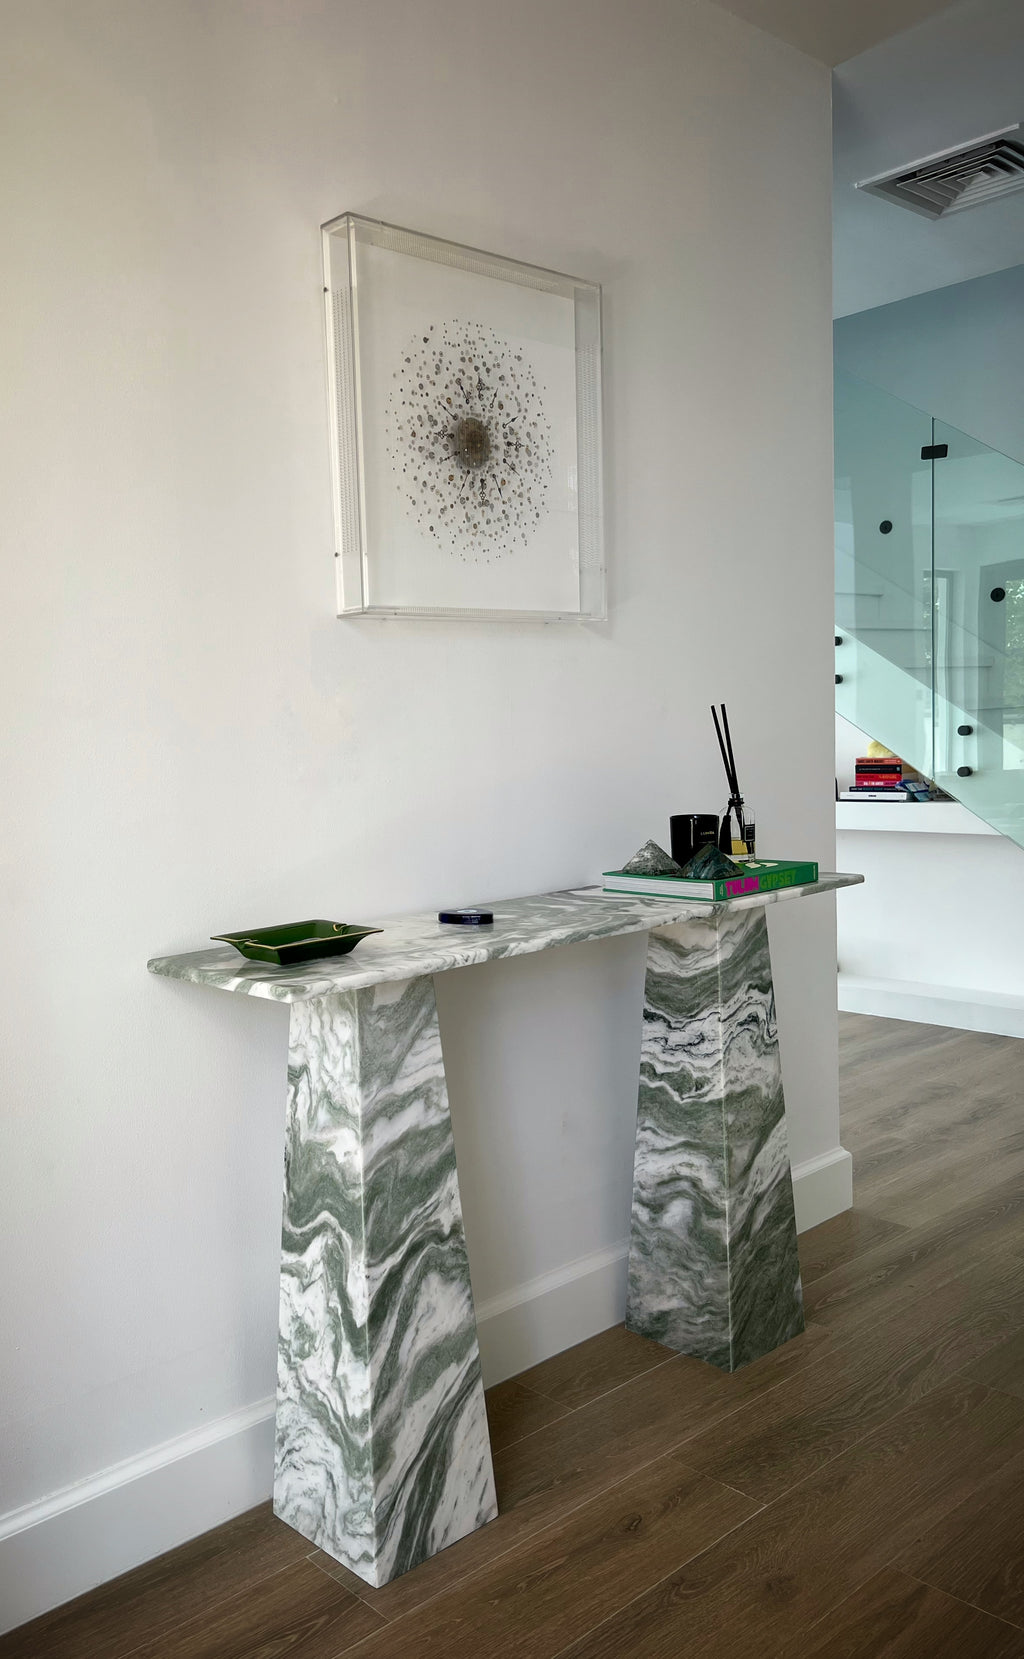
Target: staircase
{"points": [[930, 598]]}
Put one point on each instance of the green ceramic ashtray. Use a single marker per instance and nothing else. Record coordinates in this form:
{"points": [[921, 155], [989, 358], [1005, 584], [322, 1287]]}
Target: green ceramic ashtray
{"points": [[296, 941]]}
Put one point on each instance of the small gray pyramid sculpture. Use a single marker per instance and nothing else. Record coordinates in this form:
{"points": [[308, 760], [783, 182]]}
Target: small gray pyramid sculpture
{"points": [[710, 864], [652, 860]]}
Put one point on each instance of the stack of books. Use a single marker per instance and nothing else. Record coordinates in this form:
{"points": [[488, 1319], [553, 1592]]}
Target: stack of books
{"points": [[877, 780], [878, 774]]}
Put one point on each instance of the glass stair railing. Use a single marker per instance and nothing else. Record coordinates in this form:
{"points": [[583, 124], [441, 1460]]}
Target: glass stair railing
{"points": [[930, 598]]}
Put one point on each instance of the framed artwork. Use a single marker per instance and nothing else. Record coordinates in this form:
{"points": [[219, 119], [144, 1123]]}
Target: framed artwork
{"points": [[465, 408]]}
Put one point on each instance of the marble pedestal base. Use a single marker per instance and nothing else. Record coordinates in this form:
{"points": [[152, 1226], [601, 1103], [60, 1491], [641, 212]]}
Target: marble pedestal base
{"points": [[713, 1266], [382, 1455]]}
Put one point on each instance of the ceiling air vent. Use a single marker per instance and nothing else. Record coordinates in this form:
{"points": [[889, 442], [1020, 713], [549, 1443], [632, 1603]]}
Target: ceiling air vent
{"points": [[952, 180]]}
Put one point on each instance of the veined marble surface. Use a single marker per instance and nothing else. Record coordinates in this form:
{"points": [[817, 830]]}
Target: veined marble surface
{"points": [[713, 1265], [382, 1449], [419, 944], [383, 1455]]}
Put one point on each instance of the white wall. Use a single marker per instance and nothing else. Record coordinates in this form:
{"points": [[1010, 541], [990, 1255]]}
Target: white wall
{"points": [[938, 921], [934, 932], [952, 78], [194, 741], [920, 919], [957, 353]]}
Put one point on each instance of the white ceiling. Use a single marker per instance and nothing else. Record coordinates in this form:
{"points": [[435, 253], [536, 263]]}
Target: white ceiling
{"points": [[954, 78], [834, 30], [911, 77]]}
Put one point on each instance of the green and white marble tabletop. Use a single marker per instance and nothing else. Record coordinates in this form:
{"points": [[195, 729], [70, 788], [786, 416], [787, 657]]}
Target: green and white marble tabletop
{"points": [[418, 944]]}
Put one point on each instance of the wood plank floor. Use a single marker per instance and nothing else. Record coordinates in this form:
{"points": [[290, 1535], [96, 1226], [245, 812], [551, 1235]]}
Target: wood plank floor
{"points": [[859, 1493]]}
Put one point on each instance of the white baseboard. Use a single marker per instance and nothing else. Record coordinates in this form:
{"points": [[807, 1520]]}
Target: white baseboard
{"points": [[1000, 1012], [87, 1533], [545, 1315], [82, 1536]]}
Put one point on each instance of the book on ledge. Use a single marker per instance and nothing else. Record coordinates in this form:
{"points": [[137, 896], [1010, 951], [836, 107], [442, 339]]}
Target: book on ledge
{"points": [[876, 795], [756, 875]]}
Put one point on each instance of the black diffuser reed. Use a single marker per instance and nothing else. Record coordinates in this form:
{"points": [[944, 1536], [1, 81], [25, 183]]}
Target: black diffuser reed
{"points": [[724, 736]]}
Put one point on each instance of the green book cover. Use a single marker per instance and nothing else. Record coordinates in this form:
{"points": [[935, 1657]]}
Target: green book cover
{"points": [[756, 875]]}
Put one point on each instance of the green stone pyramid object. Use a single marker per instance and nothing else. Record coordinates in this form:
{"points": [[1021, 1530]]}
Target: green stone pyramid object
{"points": [[651, 860], [710, 864]]}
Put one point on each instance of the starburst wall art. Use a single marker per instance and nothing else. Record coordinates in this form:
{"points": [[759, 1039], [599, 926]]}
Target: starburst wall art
{"points": [[465, 400]]}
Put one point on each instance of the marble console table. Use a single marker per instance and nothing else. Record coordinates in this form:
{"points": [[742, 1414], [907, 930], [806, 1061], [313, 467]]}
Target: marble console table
{"points": [[382, 1452]]}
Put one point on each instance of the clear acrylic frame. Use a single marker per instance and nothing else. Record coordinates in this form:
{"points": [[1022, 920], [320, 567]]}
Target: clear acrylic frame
{"points": [[464, 392]]}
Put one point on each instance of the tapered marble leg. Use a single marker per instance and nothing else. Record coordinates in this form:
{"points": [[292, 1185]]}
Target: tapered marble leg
{"points": [[383, 1456], [713, 1265]]}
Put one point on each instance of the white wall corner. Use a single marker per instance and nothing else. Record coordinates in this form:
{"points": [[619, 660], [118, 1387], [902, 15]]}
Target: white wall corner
{"points": [[822, 1188]]}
